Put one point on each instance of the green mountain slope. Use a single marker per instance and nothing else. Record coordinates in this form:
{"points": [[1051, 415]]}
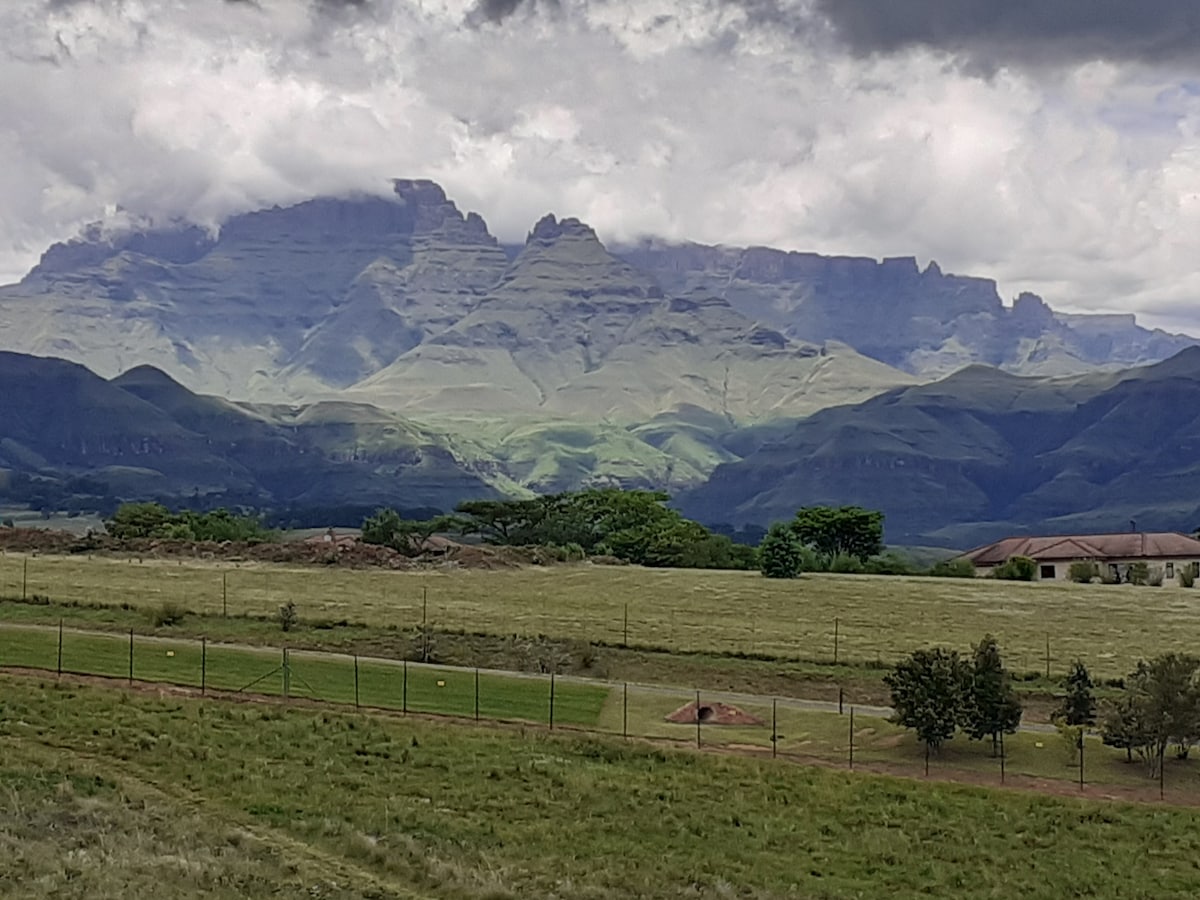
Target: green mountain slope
{"points": [[983, 453]]}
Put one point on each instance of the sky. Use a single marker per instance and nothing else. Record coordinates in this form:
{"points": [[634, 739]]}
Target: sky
{"points": [[1053, 146]]}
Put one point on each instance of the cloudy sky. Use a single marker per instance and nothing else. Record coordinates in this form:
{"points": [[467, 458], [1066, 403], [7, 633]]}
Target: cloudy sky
{"points": [[1054, 146]]}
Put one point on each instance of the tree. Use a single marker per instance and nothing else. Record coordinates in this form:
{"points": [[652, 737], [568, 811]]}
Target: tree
{"points": [[779, 554], [1160, 704], [991, 706], [139, 520], [1079, 705], [928, 691], [1082, 572], [849, 530]]}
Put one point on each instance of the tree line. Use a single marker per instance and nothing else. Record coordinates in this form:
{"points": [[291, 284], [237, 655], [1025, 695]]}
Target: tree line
{"points": [[634, 526], [937, 693], [132, 521]]}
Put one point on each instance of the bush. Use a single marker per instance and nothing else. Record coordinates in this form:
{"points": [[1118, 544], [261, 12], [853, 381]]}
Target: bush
{"points": [[1107, 577], [844, 563], [1155, 578], [168, 613], [960, 567], [1139, 573], [1187, 576], [1016, 568], [287, 616], [890, 563], [779, 554], [1082, 572]]}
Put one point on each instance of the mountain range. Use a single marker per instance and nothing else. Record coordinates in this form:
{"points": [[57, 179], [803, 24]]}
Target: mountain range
{"points": [[390, 349]]}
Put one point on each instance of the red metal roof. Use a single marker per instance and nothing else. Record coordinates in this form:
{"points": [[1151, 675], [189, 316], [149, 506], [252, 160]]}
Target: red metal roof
{"points": [[1128, 545]]}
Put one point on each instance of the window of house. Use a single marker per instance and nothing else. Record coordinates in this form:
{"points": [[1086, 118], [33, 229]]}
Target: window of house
{"points": [[1048, 572], [1170, 570]]}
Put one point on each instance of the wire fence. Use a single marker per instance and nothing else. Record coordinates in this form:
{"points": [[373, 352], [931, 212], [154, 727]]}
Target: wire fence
{"points": [[798, 730]]}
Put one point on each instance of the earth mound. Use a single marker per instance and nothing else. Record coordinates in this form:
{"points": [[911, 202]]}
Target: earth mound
{"points": [[712, 713]]}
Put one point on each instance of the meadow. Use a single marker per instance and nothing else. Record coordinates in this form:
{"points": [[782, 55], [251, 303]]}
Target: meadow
{"points": [[851, 618], [786, 727], [108, 791]]}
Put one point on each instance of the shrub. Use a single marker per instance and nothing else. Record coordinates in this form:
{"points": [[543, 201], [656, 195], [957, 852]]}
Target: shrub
{"points": [[846, 564], [287, 616], [1107, 577], [1139, 573], [1016, 568], [1187, 576], [960, 567], [1155, 578], [168, 613], [779, 554], [1082, 572], [890, 563]]}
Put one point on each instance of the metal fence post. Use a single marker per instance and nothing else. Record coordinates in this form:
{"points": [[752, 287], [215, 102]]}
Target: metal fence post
{"points": [[356, 681], [25, 578], [225, 595], [551, 699], [404, 694], [60, 632], [203, 666], [1047, 654], [852, 737], [287, 675], [625, 639], [625, 711], [131, 656], [836, 629], [1081, 742], [477, 693], [697, 720], [774, 730]]}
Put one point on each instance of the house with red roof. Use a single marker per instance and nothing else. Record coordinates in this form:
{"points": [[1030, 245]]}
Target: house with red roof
{"points": [[1113, 554]]}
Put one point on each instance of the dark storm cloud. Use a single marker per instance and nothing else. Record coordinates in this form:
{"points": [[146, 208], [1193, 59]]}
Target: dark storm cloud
{"points": [[1046, 32]]}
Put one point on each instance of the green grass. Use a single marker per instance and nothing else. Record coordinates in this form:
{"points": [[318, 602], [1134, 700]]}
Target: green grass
{"points": [[875, 618], [619, 709], [316, 676], [408, 807]]}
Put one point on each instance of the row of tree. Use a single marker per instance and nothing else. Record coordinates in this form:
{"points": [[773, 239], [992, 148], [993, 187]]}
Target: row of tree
{"points": [[936, 692], [634, 526], [153, 520]]}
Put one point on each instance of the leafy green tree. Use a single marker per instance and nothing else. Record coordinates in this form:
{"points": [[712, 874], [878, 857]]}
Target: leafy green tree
{"points": [[779, 554], [832, 531], [928, 693], [991, 706], [382, 527], [1079, 705], [1160, 705], [139, 520], [1125, 725]]}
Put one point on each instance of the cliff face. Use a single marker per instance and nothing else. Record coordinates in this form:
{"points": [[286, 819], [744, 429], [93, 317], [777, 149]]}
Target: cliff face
{"points": [[924, 322]]}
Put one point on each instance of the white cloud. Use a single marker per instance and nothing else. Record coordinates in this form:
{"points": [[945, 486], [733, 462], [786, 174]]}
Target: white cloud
{"points": [[639, 116]]}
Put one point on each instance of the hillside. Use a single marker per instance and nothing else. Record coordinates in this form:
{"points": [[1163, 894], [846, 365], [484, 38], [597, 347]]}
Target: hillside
{"points": [[66, 433], [983, 453]]}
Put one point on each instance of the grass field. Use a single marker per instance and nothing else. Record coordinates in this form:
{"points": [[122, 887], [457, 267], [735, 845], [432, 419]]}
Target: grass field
{"points": [[110, 793], [641, 711], [868, 618]]}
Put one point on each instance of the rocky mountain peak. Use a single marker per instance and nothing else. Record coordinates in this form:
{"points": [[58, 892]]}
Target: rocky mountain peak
{"points": [[550, 228]]}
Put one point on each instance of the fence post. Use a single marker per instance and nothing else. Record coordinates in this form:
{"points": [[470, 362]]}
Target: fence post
{"points": [[356, 681], [1081, 742], [927, 759], [425, 623], [552, 699], [1162, 778], [774, 730], [836, 624], [1047, 655], [625, 711], [60, 629], [477, 693], [224, 595], [25, 578], [697, 720], [287, 675], [841, 699], [852, 737], [1003, 757], [404, 694], [203, 666], [131, 656], [625, 639]]}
